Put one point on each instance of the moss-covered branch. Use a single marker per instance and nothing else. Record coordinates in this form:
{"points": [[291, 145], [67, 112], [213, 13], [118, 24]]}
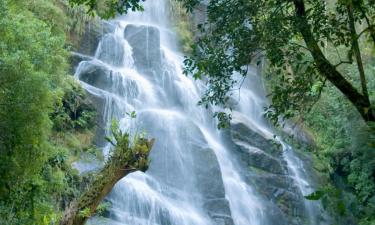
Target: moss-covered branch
{"points": [[128, 156]]}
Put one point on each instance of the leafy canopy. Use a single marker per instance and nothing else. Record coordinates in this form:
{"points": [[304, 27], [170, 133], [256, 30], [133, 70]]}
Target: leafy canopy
{"points": [[109, 8], [293, 37]]}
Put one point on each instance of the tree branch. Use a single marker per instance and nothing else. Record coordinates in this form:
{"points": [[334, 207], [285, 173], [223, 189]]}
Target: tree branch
{"points": [[124, 160], [370, 27], [328, 70], [357, 51]]}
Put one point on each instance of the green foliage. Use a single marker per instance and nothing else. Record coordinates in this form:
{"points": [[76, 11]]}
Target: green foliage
{"points": [[36, 177], [109, 8], [74, 111], [182, 25], [32, 59], [291, 35], [132, 114], [345, 155], [331, 199], [102, 208], [84, 213], [130, 151], [129, 154]]}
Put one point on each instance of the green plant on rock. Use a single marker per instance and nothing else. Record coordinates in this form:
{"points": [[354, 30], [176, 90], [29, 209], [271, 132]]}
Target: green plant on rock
{"points": [[127, 155], [75, 111]]}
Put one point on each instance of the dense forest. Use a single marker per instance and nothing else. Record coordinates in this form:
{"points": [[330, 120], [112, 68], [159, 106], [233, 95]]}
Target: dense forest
{"points": [[317, 60]]}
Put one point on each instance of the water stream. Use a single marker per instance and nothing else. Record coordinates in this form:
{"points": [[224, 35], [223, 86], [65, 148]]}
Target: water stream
{"points": [[194, 177]]}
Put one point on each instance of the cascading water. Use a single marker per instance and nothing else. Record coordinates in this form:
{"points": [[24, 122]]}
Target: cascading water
{"points": [[194, 176]]}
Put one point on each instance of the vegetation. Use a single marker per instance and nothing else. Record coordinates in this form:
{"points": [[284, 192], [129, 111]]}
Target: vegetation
{"points": [[128, 156], [33, 62], [292, 36], [109, 8], [47, 121], [183, 26], [43, 112], [344, 157]]}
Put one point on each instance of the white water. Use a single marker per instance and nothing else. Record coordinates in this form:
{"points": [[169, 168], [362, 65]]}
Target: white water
{"points": [[169, 193]]}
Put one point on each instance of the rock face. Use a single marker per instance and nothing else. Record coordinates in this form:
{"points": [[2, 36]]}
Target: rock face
{"points": [[84, 55], [95, 74], [88, 42], [266, 170], [210, 184], [75, 59], [145, 41], [111, 50], [203, 178], [303, 137], [92, 35], [100, 76]]}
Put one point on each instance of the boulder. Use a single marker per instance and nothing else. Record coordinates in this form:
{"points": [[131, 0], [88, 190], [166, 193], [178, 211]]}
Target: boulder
{"points": [[265, 169], [95, 74], [145, 42], [241, 132], [74, 60], [219, 211], [100, 76], [210, 184], [99, 104], [254, 157], [92, 34], [111, 50]]}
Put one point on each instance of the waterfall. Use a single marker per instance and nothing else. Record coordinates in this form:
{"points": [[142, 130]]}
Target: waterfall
{"points": [[197, 175]]}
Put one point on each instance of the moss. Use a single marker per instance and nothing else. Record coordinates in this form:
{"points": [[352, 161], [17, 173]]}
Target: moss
{"points": [[257, 170]]}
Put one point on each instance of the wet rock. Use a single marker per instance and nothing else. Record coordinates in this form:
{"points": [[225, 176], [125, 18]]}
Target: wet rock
{"points": [[267, 183], [111, 50], [203, 178], [254, 157], [74, 59], [253, 150], [103, 115], [199, 16], [99, 103], [240, 132], [265, 169], [91, 36], [100, 76], [281, 191], [95, 74], [145, 42], [299, 134], [219, 211], [210, 184], [208, 173]]}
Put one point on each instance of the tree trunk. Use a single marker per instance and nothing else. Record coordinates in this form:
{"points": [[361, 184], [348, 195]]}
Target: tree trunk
{"points": [[117, 167], [326, 69], [357, 51]]}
